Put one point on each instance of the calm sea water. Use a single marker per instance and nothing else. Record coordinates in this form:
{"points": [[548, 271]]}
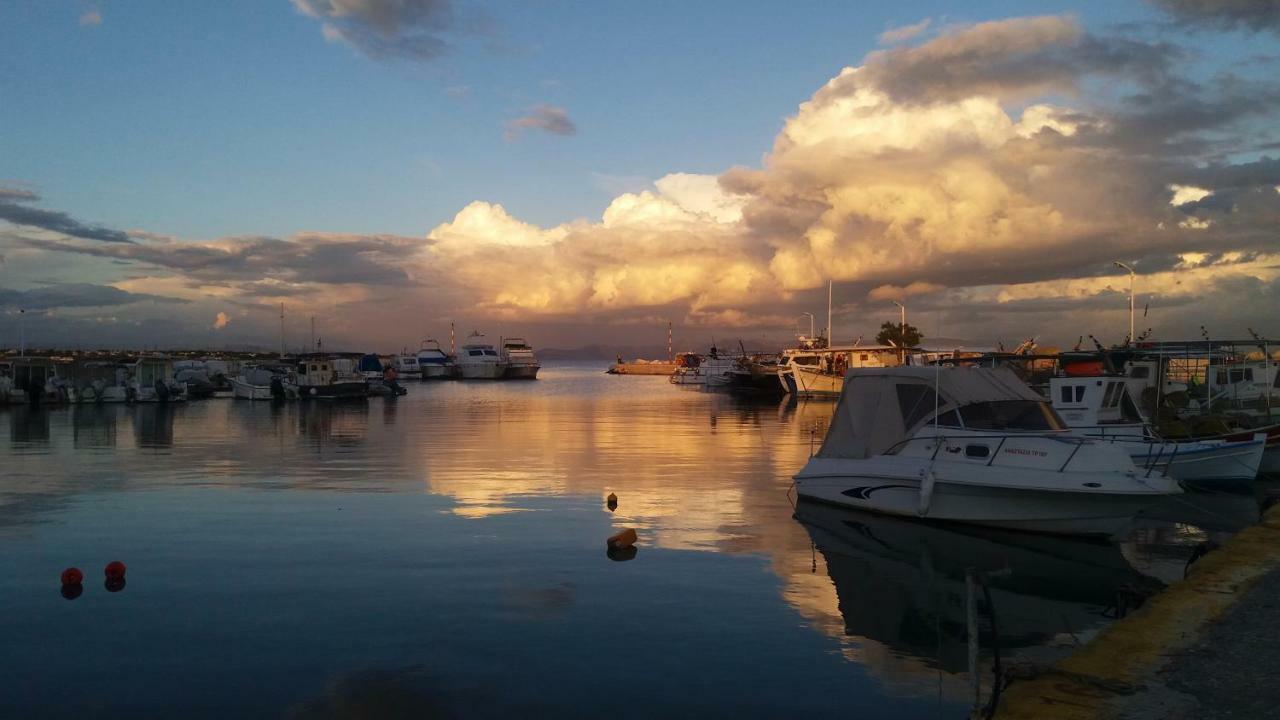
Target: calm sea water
{"points": [[443, 555]]}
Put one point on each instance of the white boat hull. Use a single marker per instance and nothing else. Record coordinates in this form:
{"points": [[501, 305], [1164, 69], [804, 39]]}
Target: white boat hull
{"points": [[482, 371], [811, 382], [1201, 462], [246, 391], [1016, 498], [437, 372], [522, 372]]}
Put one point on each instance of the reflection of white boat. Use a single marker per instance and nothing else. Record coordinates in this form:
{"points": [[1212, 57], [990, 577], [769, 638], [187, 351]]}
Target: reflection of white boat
{"points": [[521, 363], [903, 584], [1102, 407], [433, 362], [983, 449], [262, 382], [479, 361]]}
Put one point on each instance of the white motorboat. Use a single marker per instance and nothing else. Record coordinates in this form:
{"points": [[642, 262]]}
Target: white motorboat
{"points": [[972, 445], [434, 363], [522, 364], [151, 379], [263, 382], [479, 360], [407, 366], [10, 393], [1102, 407]]}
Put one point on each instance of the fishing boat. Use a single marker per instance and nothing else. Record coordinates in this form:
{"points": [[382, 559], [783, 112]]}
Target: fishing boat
{"points": [[1101, 407], [819, 371], [98, 382], [314, 378], [479, 360], [37, 381], [433, 362], [151, 379], [755, 376], [643, 367], [976, 446], [522, 364], [264, 382]]}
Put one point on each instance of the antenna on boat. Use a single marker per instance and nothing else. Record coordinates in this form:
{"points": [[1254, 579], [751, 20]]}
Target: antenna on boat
{"points": [[453, 343], [281, 329], [669, 355]]}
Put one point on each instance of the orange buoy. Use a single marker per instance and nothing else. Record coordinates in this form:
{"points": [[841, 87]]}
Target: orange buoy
{"points": [[624, 539], [611, 502], [115, 569], [72, 576]]}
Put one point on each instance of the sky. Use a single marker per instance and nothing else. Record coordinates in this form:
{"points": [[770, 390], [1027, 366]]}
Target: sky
{"points": [[585, 173]]}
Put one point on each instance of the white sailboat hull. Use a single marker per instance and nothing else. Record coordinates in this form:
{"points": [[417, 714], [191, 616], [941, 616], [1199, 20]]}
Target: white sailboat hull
{"points": [[247, 391]]}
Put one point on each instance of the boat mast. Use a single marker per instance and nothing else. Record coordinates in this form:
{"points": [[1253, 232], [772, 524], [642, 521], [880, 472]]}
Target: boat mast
{"points": [[829, 334], [669, 355], [281, 329]]}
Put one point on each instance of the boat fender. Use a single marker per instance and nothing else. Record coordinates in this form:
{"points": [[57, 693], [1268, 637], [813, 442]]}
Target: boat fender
{"points": [[72, 576], [611, 502], [114, 569], [624, 539], [926, 494]]}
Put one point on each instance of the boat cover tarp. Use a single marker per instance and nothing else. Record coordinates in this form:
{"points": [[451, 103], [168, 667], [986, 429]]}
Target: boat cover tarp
{"points": [[371, 363], [882, 406]]}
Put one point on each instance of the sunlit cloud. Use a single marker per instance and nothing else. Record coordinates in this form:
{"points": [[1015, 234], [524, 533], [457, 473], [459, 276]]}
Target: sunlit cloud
{"points": [[221, 320], [893, 36]]}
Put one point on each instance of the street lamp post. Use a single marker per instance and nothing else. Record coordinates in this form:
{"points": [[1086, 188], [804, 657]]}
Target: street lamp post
{"points": [[1132, 274], [902, 333]]}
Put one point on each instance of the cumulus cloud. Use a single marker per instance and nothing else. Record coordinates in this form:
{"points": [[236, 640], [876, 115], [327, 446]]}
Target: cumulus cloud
{"points": [[16, 207], [221, 320], [973, 173], [547, 118], [1255, 15], [393, 29]]}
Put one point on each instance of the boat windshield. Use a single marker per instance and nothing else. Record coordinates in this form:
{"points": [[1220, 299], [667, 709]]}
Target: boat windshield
{"points": [[1010, 415]]}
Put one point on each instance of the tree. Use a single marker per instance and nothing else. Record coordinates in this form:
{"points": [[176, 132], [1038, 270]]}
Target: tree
{"points": [[891, 333]]}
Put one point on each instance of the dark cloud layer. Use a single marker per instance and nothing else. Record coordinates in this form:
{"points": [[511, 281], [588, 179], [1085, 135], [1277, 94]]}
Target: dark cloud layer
{"points": [[15, 207], [306, 258], [75, 295], [1255, 15]]}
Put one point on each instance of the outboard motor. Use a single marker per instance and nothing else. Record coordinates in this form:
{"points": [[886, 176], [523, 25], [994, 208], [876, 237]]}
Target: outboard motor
{"points": [[277, 389]]}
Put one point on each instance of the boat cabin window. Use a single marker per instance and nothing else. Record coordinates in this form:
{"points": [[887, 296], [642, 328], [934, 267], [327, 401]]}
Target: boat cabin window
{"points": [[494, 353], [916, 403], [950, 419], [1066, 393], [1140, 372], [805, 360], [976, 451], [863, 357], [1010, 415], [475, 353], [1111, 398], [314, 367]]}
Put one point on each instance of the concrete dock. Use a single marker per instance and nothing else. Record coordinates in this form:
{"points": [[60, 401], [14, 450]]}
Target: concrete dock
{"points": [[1201, 649]]}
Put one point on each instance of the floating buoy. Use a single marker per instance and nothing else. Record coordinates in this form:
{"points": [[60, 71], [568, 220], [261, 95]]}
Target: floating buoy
{"points": [[622, 554], [624, 539], [611, 502], [115, 569], [114, 584], [71, 592], [72, 576]]}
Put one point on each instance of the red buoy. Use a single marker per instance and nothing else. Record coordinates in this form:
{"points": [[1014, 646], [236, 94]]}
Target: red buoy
{"points": [[115, 569], [72, 576]]}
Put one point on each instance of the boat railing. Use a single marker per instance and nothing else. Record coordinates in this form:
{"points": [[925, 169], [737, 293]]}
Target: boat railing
{"points": [[944, 440]]}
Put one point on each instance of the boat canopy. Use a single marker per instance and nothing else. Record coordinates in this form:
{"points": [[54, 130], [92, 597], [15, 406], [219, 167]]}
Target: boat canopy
{"points": [[883, 406], [371, 363]]}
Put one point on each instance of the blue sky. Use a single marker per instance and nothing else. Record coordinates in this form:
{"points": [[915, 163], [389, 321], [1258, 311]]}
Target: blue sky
{"points": [[210, 119]]}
